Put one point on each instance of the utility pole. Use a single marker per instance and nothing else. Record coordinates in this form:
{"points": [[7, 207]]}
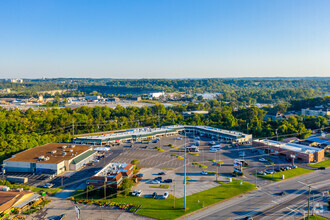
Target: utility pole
{"points": [[276, 134], [185, 171], [309, 197], [158, 119], [72, 128], [174, 194], [3, 171], [247, 128], [256, 178], [273, 172], [105, 187]]}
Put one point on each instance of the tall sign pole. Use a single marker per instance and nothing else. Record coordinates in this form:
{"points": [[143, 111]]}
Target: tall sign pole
{"points": [[185, 170]]}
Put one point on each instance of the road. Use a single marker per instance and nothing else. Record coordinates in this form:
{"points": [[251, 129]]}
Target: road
{"points": [[265, 198]]}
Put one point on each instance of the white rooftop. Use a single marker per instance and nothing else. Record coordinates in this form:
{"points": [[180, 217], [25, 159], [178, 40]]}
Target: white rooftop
{"points": [[112, 169], [291, 146]]}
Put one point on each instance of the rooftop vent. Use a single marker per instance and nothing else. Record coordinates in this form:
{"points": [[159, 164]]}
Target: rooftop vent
{"points": [[63, 154], [53, 152], [63, 147]]}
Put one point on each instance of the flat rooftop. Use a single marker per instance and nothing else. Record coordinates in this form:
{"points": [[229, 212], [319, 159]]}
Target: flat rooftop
{"points": [[151, 131], [113, 169], [53, 152], [299, 148]]}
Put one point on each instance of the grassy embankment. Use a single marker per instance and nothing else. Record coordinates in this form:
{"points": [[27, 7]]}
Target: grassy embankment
{"points": [[287, 173], [163, 208]]}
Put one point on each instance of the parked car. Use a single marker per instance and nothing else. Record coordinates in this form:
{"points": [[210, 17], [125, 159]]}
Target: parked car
{"points": [[161, 173], [159, 178], [165, 196], [269, 171], [134, 193], [293, 166], [140, 175], [277, 170], [203, 172], [261, 173], [154, 195], [262, 160], [321, 168], [282, 193], [211, 143], [179, 138], [155, 181], [48, 185], [168, 181], [139, 193], [283, 168]]}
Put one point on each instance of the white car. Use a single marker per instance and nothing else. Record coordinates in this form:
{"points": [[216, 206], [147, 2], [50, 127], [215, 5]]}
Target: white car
{"points": [[213, 150], [203, 172], [165, 196], [179, 138], [212, 143], [134, 193], [47, 185], [139, 193], [262, 160], [155, 182]]}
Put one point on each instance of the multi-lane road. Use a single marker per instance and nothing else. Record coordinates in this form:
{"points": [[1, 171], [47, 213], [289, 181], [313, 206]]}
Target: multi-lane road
{"points": [[265, 202]]}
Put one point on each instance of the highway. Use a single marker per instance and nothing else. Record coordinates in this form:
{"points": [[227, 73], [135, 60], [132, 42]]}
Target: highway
{"points": [[265, 201]]}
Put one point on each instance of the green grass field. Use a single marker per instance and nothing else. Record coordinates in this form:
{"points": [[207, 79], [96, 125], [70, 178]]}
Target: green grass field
{"points": [[315, 217], [164, 208], [287, 173], [325, 163]]}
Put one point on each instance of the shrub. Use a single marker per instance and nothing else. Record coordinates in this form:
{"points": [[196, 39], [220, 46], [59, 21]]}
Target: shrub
{"points": [[135, 162]]}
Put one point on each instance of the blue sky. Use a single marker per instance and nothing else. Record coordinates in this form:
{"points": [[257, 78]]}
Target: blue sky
{"points": [[164, 38]]}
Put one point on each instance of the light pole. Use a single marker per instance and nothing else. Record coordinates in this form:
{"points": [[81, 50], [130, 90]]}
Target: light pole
{"points": [[185, 171]]}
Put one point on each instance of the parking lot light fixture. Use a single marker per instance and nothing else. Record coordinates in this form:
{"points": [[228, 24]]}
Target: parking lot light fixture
{"points": [[185, 171]]}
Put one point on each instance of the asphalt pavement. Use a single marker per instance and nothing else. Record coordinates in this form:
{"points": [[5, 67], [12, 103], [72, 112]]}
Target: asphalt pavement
{"points": [[264, 198]]}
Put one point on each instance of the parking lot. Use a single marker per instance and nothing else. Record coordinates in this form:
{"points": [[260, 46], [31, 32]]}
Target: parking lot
{"points": [[170, 160]]}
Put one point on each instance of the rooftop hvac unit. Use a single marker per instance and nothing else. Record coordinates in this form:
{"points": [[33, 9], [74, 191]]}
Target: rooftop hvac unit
{"points": [[41, 157], [54, 151], [70, 150], [46, 158], [63, 154], [63, 147]]}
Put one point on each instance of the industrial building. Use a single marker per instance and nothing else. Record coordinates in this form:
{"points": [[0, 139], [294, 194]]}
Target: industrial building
{"points": [[299, 152], [142, 133], [52, 158], [112, 175]]}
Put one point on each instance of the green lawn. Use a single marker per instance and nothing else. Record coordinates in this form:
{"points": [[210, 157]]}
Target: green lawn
{"points": [[315, 217], [162, 186], [325, 163], [163, 208], [287, 173]]}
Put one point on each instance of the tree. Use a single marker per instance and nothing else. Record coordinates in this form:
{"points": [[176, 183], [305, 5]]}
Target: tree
{"points": [[135, 162], [126, 186]]}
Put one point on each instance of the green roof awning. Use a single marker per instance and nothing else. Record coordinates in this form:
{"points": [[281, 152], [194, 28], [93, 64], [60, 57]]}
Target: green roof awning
{"points": [[83, 156]]}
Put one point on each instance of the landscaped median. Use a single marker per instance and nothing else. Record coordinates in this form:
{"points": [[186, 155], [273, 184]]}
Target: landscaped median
{"points": [[164, 208], [287, 174]]}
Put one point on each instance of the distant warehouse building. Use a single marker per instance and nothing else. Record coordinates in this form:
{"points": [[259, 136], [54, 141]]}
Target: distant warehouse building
{"points": [[290, 150], [142, 133], [52, 158]]}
